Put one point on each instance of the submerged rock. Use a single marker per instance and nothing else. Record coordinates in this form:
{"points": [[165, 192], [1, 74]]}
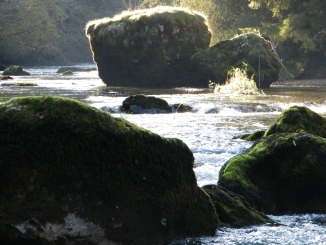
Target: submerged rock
{"points": [[142, 104], [232, 209], [67, 73], [73, 173], [284, 172], [181, 108], [249, 49], [149, 48], [75, 69], [15, 71], [6, 78], [20, 84]]}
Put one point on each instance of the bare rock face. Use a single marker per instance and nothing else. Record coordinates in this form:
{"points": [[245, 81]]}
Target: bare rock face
{"points": [[73, 174], [149, 48]]}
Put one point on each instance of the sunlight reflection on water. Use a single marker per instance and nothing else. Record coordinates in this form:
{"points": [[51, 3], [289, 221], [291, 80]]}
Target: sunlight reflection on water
{"points": [[208, 132]]}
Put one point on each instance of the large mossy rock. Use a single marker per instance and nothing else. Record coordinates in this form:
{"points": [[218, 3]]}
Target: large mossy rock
{"points": [[298, 119], [149, 48], [249, 49], [284, 171], [232, 209], [73, 174], [15, 71]]}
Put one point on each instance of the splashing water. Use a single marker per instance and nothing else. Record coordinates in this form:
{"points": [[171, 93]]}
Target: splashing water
{"points": [[238, 83]]}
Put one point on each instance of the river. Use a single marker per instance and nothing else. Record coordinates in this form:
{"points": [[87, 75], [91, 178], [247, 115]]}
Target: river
{"points": [[208, 130]]}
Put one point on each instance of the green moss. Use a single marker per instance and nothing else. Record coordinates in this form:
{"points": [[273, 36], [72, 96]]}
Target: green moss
{"points": [[296, 119], [254, 136], [149, 47], [23, 84], [61, 156], [15, 71], [6, 78], [282, 172], [299, 119], [232, 209]]}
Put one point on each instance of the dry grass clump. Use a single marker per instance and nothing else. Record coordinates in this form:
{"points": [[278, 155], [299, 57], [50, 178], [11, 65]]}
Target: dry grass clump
{"points": [[238, 83]]}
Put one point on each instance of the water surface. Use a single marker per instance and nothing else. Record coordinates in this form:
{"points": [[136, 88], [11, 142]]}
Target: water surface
{"points": [[208, 130]]}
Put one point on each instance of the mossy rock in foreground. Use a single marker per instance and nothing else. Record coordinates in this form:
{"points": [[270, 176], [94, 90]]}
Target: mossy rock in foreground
{"points": [[249, 49], [296, 119], [15, 71], [232, 209], [281, 173], [70, 171], [299, 119], [150, 48]]}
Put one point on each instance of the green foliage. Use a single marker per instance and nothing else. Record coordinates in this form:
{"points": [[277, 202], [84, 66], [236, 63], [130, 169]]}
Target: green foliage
{"points": [[38, 31], [232, 209], [301, 21]]}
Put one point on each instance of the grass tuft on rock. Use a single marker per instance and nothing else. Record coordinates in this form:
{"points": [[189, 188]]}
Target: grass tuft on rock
{"points": [[238, 83]]}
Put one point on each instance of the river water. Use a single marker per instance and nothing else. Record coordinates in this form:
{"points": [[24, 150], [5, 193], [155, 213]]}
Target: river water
{"points": [[208, 130]]}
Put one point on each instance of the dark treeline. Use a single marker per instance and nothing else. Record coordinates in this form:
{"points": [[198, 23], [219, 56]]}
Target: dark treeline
{"points": [[52, 31], [49, 31]]}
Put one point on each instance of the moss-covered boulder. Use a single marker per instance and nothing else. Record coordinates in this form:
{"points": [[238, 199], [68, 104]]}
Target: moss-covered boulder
{"points": [[281, 173], [149, 48], [249, 49], [73, 174], [142, 104], [295, 119], [299, 119], [15, 71], [284, 171], [232, 209]]}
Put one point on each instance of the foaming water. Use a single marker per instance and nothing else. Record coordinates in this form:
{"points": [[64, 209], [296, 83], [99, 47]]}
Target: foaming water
{"points": [[306, 229], [209, 130]]}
